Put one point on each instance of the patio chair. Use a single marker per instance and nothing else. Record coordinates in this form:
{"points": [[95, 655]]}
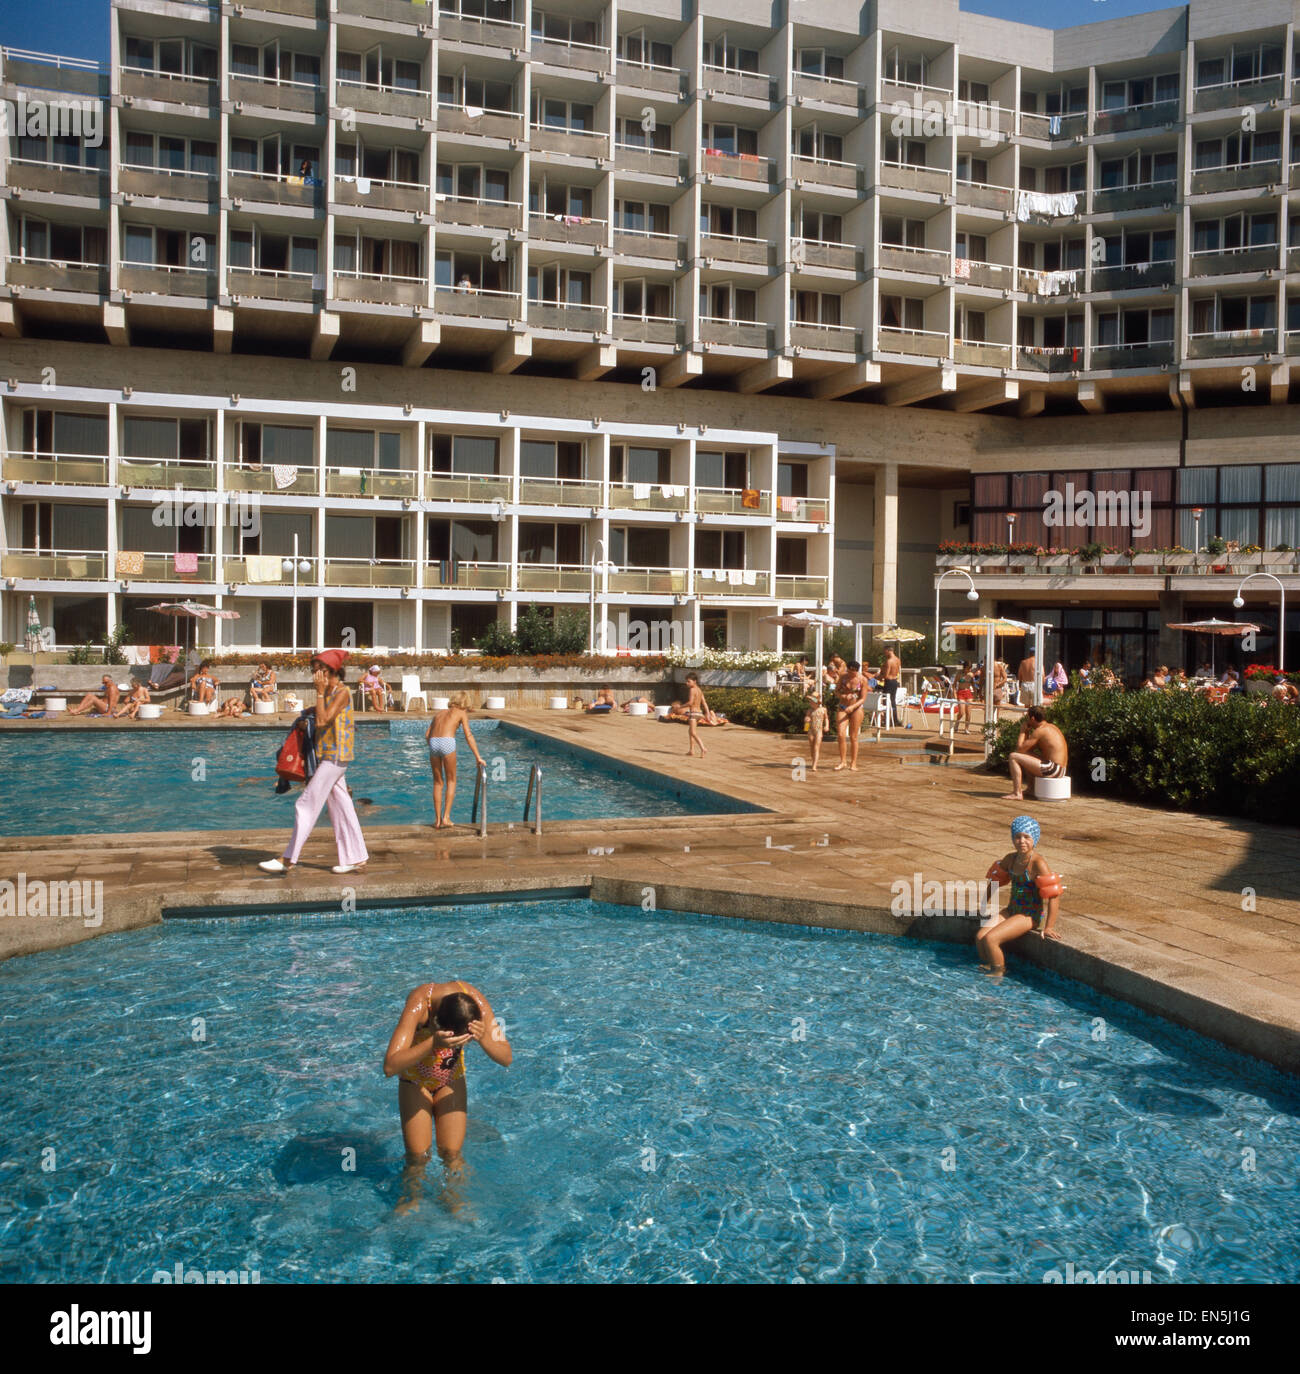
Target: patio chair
{"points": [[411, 691], [880, 710]]}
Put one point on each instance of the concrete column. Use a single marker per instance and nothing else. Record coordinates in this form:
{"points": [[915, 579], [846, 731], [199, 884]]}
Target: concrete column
{"points": [[884, 555], [1171, 645]]}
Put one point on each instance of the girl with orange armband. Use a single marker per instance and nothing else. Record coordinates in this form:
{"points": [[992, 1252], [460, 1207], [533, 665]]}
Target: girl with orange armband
{"points": [[1035, 895]]}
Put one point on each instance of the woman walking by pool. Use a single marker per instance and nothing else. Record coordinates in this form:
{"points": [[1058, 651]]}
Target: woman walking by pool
{"points": [[441, 739], [427, 1055], [328, 785], [1035, 896]]}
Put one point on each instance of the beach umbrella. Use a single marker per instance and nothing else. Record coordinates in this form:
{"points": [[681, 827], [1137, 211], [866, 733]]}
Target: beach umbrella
{"points": [[191, 610], [989, 626], [1212, 627], [809, 620], [33, 636], [898, 635]]}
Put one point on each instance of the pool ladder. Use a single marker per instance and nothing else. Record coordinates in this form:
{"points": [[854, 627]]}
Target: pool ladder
{"points": [[478, 815]]}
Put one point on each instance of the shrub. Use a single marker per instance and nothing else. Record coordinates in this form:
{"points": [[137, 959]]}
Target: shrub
{"points": [[540, 632], [498, 639], [1178, 749], [782, 711]]}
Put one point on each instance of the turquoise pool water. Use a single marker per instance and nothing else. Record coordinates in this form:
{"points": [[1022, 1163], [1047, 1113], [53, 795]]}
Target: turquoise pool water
{"points": [[690, 1099], [65, 783]]}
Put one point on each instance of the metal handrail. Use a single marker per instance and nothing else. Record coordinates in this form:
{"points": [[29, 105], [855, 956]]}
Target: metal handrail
{"points": [[534, 776], [480, 790]]}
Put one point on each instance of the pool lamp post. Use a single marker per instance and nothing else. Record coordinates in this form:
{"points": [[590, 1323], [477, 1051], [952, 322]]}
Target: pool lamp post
{"points": [[1238, 601], [1197, 512], [1011, 529], [605, 567], [295, 565], [971, 595]]}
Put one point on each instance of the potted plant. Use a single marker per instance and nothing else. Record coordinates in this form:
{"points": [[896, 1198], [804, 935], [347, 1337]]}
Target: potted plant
{"points": [[1176, 557], [953, 553], [992, 555], [1112, 558], [1282, 556], [1054, 558], [1019, 556], [1142, 560], [1248, 556]]}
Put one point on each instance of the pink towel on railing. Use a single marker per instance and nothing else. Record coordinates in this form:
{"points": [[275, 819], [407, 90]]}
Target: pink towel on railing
{"points": [[788, 504], [186, 563]]}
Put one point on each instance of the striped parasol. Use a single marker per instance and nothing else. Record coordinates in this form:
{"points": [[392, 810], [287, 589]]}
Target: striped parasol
{"points": [[33, 636]]}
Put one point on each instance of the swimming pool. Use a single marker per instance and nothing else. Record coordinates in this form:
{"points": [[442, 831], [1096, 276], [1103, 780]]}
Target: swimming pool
{"points": [[691, 1099], [115, 781]]}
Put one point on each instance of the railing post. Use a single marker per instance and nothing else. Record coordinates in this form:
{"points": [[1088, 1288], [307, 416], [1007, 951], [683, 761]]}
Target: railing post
{"points": [[534, 778], [480, 795]]}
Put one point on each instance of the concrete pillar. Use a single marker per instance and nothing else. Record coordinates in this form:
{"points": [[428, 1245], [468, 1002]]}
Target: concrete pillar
{"points": [[884, 554], [1171, 645]]}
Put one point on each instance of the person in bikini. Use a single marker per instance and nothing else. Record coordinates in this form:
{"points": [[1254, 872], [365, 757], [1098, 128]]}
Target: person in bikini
{"points": [[1040, 752], [134, 700], [1035, 896], [697, 709], [441, 739], [851, 700], [427, 1056]]}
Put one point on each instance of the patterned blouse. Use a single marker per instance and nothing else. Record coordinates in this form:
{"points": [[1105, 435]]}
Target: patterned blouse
{"points": [[336, 741]]}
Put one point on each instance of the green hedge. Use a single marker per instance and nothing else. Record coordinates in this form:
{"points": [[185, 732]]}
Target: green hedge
{"points": [[1177, 749], [780, 711]]}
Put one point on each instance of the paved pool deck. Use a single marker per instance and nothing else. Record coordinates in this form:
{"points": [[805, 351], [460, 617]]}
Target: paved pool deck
{"points": [[1195, 918]]}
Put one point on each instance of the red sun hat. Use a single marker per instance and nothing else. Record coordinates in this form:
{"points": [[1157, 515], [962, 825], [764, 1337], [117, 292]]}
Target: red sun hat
{"points": [[331, 658]]}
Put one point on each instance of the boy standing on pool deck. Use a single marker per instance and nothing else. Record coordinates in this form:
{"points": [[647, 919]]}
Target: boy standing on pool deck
{"points": [[696, 707]]}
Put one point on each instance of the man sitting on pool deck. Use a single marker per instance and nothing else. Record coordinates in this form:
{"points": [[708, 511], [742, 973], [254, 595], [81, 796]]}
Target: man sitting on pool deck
{"points": [[101, 706], [1037, 735]]}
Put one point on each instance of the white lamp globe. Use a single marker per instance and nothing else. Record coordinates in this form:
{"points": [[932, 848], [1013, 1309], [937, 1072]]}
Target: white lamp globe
{"points": [[1238, 602]]}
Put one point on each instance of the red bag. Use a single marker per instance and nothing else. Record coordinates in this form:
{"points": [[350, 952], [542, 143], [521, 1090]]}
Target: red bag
{"points": [[290, 762]]}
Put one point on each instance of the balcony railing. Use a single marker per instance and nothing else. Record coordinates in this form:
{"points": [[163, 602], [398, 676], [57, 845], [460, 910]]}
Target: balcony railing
{"points": [[911, 176], [824, 171], [235, 570], [559, 491], [744, 166], [1292, 342], [647, 76], [728, 501], [1065, 281], [830, 90], [488, 33], [583, 57], [282, 479], [161, 567], [479, 212], [371, 572], [982, 195], [1231, 343], [375, 289], [824, 253], [999, 275], [69, 469], [791, 587], [56, 566], [157, 279], [479, 576], [175, 88], [475, 303], [466, 487], [736, 248], [732, 582], [734, 333], [983, 117], [53, 274], [302, 97], [394, 11], [1049, 359], [1144, 354], [1138, 195], [567, 228], [647, 496], [1236, 176], [270, 188], [566, 315], [273, 284], [650, 581], [48, 72], [924, 343], [377, 483], [554, 577], [550, 138], [167, 183], [1226, 95], [901, 257], [1052, 126], [981, 353], [912, 93], [29, 174], [1153, 276], [647, 243], [803, 509], [728, 81], [165, 474], [381, 194], [830, 338], [656, 329], [637, 157], [1144, 116], [478, 121], [366, 97], [1223, 262]]}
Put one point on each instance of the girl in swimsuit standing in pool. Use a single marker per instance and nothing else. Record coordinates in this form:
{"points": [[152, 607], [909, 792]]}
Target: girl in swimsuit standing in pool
{"points": [[441, 739], [427, 1055]]}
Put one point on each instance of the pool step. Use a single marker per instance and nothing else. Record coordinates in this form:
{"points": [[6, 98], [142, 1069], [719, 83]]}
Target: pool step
{"points": [[942, 760]]}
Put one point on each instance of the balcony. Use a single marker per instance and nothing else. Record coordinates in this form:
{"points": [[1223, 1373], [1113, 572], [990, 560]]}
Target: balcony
{"points": [[1067, 281], [1048, 127], [1107, 357], [910, 96], [981, 118], [166, 183], [1292, 343], [1228, 95], [647, 329], [471, 303], [477, 212], [1130, 117], [300, 9], [1001, 276], [729, 501], [391, 11], [736, 248], [646, 243], [273, 284], [814, 510], [547, 138], [982, 195], [647, 496], [565, 315], [269, 188], [824, 171], [375, 483], [650, 581], [41, 71], [919, 343], [732, 582], [825, 338], [65, 469], [1238, 177], [726, 81], [161, 567], [374, 289], [1225, 262], [554, 577], [829, 90], [481, 123], [734, 333], [55, 567], [1144, 195], [742, 166], [299, 97], [899, 257], [559, 491], [156, 279], [371, 572], [1295, 170], [1150, 276], [1232, 343], [645, 76], [282, 479], [235, 571], [51, 274], [391, 102], [843, 257], [492, 577], [908, 176], [980, 353], [166, 474], [659, 162], [581, 57], [1031, 359], [580, 229], [466, 487], [171, 88], [801, 587], [26, 174], [486, 33]]}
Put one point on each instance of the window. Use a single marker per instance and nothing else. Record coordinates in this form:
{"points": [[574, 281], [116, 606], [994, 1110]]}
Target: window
{"points": [[472, 181], [722, 52], [975, 169], [630, 133], [817, 226], [462, 91], [641, 299], [970, 325], [977, 92], [902, 312], [641, 217], [814, 307], [818, 62], [551, 459], [641, 51], [903, 69], [911, 152], [895, 231], [570, 115], [555, 285], [465, 271], [974, 247], [812, 143], [72, 244], [635, 464], [729, 139], [724, 301], [728, 221], [560, 28], [168, 247], [558, 200], [358, 254]]}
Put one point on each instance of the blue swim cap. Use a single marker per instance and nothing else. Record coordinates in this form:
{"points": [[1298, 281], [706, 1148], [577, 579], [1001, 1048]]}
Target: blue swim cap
{"points": [[1026, 825]]}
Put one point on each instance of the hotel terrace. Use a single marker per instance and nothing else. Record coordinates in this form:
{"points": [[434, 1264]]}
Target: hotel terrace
{"points": [[486, 303]]}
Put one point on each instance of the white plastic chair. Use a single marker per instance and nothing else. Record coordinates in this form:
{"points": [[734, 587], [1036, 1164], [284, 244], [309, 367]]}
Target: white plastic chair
{"points": [[880, 707], [411, 691]]}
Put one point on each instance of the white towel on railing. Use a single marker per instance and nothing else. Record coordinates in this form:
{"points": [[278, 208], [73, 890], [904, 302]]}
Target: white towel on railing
{"points": [[285, 474], [474, 111], [262, 567], [734, 577], [666, 492], [1049, 204], [640, 491], [750, 579], [363, 186]]}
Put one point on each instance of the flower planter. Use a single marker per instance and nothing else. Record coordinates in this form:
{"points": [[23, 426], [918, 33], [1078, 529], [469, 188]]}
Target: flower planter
{"points": [[1247, 561], [1178, 560], [952, 560], [1054, 560], [1277, 560], [1114, 560], [991, 560]]}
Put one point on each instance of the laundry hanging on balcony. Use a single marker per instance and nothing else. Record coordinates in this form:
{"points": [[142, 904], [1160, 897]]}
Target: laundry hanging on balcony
{"points": [[185, 563], [1051, 283], [1045, 205], [263, 567], [130, 564], [640, 491], [961, 268], [1054, 126], [750, 498], [285, 475]]}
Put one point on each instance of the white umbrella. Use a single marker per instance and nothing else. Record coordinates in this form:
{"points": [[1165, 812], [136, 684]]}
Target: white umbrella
{"points": [[806, 620], [988, 626]]}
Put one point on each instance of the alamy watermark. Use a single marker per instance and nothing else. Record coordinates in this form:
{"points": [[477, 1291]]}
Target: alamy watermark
{"points": [[80, 119], [240, 510], [78, 899], [1079, 509], [930, 118], [930, 897]]}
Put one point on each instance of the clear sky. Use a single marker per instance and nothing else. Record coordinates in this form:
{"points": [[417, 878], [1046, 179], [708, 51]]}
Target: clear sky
{"points": [[79, 28]]}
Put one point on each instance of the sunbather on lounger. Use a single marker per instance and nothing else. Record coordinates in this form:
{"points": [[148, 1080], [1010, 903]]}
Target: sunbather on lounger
{"points": [[101, 706]]}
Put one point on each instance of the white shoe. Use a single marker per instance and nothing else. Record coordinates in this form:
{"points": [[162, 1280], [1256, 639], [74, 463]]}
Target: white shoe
{"points": [[274, 866], [348, 868]]}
